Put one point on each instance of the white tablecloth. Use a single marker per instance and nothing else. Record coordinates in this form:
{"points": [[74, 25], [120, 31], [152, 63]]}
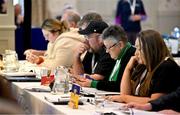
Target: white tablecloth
{"points": [[35, 103]]}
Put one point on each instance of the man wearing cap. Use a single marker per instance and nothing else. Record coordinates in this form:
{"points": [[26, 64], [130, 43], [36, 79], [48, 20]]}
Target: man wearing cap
{"points": [[97, 63]]}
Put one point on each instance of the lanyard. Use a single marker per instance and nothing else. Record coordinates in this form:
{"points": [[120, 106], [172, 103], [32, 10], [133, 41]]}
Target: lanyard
{"points": [[117, 67], [140, 82], [93, 64], [132, 6]]}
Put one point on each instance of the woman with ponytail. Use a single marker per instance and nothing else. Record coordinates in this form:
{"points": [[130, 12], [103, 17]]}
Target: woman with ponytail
{"points": [[59, 50]]}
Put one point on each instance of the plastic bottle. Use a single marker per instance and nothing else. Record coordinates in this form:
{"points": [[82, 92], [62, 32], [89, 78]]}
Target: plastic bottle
{"points": [[176, 32], [177, 35], [175, 41], [166, 40]]}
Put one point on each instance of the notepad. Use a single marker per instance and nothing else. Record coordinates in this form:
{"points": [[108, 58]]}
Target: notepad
{"points": [[17, 74], [94, 91], [22, 79]]}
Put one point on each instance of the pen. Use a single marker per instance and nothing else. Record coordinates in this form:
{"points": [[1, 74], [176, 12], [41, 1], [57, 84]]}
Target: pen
{"points": [[65, 96]]}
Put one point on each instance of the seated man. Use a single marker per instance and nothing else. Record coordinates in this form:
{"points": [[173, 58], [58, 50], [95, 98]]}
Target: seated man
{"points": [[96, 61]]}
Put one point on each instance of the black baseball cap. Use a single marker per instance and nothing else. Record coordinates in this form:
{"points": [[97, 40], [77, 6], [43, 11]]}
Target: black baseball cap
{"points": [[94, 27]]}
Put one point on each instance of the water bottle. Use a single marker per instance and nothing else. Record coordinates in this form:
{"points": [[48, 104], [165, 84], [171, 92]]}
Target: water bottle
{"points": [[176, 34], [166, 40], [61, 84]]}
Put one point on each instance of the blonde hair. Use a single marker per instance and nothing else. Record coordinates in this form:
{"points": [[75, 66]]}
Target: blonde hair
{"points": [[54, 25]]}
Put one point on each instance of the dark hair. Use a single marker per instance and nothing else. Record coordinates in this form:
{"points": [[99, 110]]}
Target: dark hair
{"points": [[153, 47], [115, 32], [53, 25], [155, 52], [91, 16]]}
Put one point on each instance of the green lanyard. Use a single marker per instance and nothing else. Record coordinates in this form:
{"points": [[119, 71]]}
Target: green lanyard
{"points": [[117, 67]]}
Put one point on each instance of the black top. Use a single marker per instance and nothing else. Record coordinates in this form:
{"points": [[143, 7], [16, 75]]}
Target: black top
{"points": [[115, 85], [166, 78], [170, 101], [18, 25], [124, 13], [104, 65]]}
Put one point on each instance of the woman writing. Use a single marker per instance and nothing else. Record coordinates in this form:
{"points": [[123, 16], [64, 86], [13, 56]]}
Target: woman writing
{"points": [[60, 47]]}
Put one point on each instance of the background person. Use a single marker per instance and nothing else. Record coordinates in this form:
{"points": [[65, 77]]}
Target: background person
{"points": [[129, 14], [71, 17], [3, 6], [19, 19]]}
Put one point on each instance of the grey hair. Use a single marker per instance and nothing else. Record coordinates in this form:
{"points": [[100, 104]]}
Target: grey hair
{"points": [[111, 38], [115, 32], [73, 16]]}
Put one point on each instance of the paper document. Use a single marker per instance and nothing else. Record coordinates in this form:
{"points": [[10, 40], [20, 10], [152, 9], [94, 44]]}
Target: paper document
{"points": [[17, 73], [95, 91]]}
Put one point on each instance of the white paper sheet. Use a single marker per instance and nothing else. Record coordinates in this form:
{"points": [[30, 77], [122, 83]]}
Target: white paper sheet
{"points": [[17, 73], [95, 91]]}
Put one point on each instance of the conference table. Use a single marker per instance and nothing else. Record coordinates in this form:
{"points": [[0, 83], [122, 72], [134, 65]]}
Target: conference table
{"points": [[40, 101], [36, 102]]}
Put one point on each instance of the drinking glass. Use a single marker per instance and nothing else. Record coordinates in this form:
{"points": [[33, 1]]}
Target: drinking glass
{"points": [[99, 103]]}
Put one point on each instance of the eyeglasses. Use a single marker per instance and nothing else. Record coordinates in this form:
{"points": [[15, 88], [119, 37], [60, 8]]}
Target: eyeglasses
{"points": [[111, 46]]}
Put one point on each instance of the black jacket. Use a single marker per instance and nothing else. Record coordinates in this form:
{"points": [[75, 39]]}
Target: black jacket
{"points": [[170, 101], [104, 61], [115, 85]]}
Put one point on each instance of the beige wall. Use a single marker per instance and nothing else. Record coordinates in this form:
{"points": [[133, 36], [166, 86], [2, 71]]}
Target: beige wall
{"points": [[55, 7], [105, 7], [168, 15], [163, 15], [7, 27]]}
